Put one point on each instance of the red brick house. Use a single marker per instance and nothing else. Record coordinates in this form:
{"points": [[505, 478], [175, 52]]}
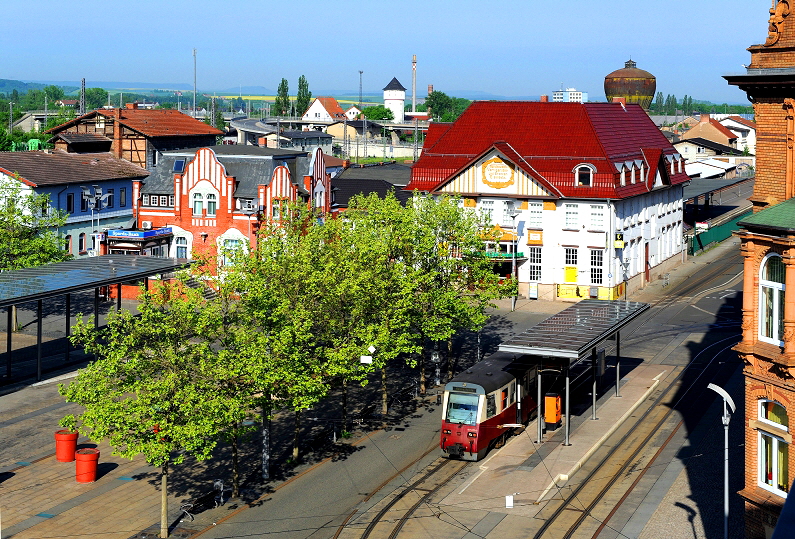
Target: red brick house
{"points": [[768, 248], [137, 135], [211, 198]]}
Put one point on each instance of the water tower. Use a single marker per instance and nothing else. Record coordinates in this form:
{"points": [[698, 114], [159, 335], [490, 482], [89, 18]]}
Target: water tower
{"points": [[634, 85]]}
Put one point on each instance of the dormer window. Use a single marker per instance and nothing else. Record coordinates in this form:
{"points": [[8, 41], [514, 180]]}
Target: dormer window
{"points": [[623, 176], [632, 178], [584, 175]]}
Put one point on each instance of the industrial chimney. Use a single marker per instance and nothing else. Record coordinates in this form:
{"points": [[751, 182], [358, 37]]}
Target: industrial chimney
{"points": [[414, 83]]}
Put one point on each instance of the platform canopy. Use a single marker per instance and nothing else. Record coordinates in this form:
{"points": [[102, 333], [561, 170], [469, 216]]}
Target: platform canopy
{"points": [[573, 332], [51, 280]]}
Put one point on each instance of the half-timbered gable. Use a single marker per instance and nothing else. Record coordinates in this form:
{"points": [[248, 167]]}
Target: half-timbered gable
{"points": [[589, 196]]}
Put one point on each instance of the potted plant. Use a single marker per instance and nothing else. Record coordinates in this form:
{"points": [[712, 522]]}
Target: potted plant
{"points": [[66, 439]]}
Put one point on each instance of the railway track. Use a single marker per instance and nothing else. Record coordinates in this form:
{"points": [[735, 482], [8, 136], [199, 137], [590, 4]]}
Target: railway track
{"points": [[413, 500], [584, 507]]}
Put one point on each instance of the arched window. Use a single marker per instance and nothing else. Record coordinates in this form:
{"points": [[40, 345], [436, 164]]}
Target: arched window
{"points": [[773, 449], [182, 246], [68, 244], [81, 242], [583, 175], [198, 203], [771, 300], [212, 204]]}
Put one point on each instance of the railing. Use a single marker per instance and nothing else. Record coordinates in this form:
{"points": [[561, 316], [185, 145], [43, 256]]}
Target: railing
{"points": [[492, 254], [702, 240]]}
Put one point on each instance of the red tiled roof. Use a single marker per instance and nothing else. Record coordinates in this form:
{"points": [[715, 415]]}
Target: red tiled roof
{"points": [[150, 122], [548, 140], [741, 120], [723, 130], [331, 106]]}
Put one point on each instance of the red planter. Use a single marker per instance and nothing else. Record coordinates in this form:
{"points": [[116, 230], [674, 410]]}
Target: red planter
{"points": [[86, 465], [65, 445]]}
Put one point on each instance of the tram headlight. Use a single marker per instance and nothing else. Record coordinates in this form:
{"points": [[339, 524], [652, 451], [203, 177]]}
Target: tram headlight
{"points": [[448, 431], [472, 434]]}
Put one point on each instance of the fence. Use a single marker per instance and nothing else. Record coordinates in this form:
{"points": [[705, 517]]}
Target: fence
{"points": [[716, 234]]}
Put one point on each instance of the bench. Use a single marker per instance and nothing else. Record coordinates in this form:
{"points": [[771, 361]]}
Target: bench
{"points": [[215, 497]]}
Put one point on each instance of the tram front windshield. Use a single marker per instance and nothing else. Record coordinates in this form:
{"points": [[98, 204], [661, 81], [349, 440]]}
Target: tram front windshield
{"points": [[462, 408]]}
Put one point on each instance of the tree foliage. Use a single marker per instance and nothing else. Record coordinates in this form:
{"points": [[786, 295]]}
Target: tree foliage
{"points": [[444, 108], [303, 97], [28, 228], [378, 112], [282, 104]]}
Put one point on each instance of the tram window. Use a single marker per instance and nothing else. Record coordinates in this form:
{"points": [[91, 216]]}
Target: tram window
{"points": [[512, 393], [491, 405], [504, 399], [462, 409]]}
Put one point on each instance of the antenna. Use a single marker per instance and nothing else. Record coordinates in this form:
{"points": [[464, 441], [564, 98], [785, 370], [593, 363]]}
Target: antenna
{"points": [[194, 83], [414, 83]]}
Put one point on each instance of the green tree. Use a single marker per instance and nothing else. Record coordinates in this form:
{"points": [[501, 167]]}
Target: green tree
{"points": [[28, 228], [303, 97], [96, 98], [153, 390], [378, 112], [659, 103], [444, 108], [282, 104], [54, 93]]}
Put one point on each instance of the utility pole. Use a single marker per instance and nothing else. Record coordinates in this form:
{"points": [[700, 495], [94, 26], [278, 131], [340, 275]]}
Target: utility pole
{"points": [[10, 117], [82, 96], [194, 83], [360, 89]]}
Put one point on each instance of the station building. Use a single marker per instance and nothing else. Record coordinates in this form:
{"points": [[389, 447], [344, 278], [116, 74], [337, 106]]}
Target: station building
{"points": [[588, 196], [767, 239], [206, 200]]}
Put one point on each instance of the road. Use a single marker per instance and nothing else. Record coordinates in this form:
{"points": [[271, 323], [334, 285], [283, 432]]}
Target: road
{"points": [[692, 323]]}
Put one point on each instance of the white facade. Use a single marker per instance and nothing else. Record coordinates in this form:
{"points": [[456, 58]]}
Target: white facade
{"points": [[569, 95], [317, 112], [566, 248], [746, 135], [395, 100], [353, 112]]}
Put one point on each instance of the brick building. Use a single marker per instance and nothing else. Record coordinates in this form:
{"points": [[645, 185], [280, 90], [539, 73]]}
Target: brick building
{"points": [[137, 135], [768, 247], [206, 200]]}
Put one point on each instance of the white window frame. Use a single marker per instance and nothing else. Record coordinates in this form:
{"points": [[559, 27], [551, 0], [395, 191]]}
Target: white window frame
{"points": [[508, 207], [535, 214], [581, 168], [534, 263], [572, 216], [486, 208], [775, 441], [597, 260], [570, 256], [597, 217], [197, 198], [778, 290], [212, 204]]}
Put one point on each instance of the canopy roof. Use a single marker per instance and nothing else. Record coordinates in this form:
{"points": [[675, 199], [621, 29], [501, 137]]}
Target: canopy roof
{"points": [[574, 331], [19, 286]]}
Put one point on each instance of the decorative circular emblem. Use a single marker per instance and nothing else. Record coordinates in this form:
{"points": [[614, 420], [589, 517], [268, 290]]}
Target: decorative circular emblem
{"points": [[497, 173]]}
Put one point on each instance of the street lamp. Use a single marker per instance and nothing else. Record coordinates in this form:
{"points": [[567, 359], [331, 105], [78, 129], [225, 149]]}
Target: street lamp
{"points": [[94, 200], [515, 246], [727, 403], [436, 360]]}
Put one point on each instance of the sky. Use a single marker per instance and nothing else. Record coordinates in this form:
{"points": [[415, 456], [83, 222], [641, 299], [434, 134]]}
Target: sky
{"points": [[504, 48]]}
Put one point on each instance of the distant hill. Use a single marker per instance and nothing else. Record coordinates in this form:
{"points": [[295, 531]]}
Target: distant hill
{"points": [[115, 85], [8, 85]]}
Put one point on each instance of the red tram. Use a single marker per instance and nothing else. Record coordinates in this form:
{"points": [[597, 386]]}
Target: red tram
{"points": [[477, 403]]}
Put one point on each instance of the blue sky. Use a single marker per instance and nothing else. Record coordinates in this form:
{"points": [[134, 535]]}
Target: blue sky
{"points": [[499, 47]]}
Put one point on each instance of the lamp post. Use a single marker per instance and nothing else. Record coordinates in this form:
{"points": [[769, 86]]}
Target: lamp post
{"points": [[515, 246], [94, 200], [727, 403], [436, 360]]}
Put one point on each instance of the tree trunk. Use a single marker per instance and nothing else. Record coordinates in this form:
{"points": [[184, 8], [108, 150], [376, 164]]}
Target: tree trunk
{"points": [[235, 467], [164, 501], [344, 406], [266, 445], [384, 402], [450, 365], [422, 372], [296, 435]]}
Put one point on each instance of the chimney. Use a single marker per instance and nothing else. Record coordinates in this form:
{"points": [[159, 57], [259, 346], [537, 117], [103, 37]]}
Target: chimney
{"points": [[622, 100], [704, 119], [545, 99], [430, 89], [132, 105]]}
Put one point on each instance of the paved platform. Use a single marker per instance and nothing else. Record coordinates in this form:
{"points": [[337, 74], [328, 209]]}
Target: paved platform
{"points": [[533, 472]]}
